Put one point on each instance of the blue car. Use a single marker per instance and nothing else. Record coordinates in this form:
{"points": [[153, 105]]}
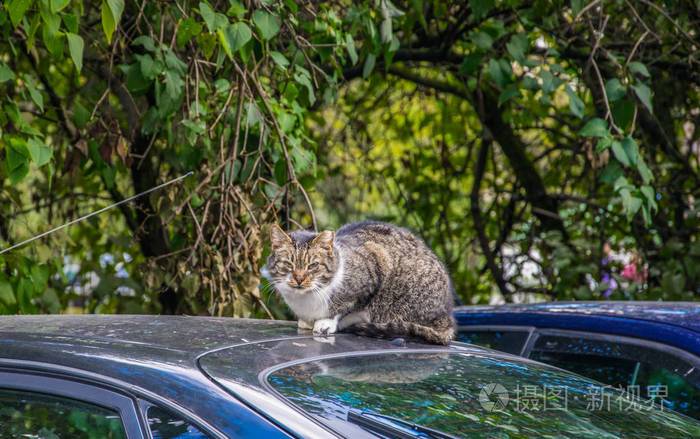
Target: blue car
{"points": [[644, 347], [193, 377]]}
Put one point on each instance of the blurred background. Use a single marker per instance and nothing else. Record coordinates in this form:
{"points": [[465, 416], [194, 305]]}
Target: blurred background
{"points": [[547, 150]]}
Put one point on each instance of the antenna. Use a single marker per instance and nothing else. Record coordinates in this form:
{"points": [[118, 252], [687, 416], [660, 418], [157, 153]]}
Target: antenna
{"points": [[97, 212]]}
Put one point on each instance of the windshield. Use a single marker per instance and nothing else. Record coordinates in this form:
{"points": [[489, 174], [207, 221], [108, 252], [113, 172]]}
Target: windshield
{"points": [[472, 395]]}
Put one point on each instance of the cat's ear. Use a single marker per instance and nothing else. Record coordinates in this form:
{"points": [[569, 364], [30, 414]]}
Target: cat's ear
{"points": [[278, 238], [324, 240]]}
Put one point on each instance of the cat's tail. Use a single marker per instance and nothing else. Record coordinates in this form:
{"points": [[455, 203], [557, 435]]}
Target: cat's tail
{"points": [[442, 334]]}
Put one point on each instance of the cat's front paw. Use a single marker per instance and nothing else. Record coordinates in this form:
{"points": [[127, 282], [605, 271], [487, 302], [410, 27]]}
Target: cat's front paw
{"points": [[303, 324], [325, 326]]}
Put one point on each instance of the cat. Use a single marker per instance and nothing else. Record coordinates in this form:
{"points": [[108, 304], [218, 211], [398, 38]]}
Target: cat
{"points": [[369, 277]]}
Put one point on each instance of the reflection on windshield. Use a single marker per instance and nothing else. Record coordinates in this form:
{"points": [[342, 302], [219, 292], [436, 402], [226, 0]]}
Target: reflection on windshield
{"points": [[469, 395]]}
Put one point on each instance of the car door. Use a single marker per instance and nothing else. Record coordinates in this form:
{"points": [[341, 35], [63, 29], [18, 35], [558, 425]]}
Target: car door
{"points": [[34, 405], [646, 369]]}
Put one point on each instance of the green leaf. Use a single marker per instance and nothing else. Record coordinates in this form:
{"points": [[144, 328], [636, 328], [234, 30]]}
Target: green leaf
{"points": [[630, 203], [268, 25], [470, 64], [236, 36], [509, 93], [614, 90], [208, 15], [189, 28], [75, 47], [648, 192], [109, 24], [81, 116], [549, 81], [496, 73], [631, 150], [280, 172], [620, 154], [225, 42], [36, 95], [576, 6], [302, 77], [174, 63], [173, 84], [145, 41], [17, 154], [302, 159], [644, 171], [517, 47], [71, 22], [575, 103], [135, 82], [147, 66], [611, 172], [603, 144], [58, 5], [17, 160], [6, 74], [111, 14], [286, 121], [482, 40], [369, 65], [418, 7], [386, 30], [623, 112], [622, 183], [639, 68], [595, 127], [6, 295], [480, 8], [40, 153], [117, 7], [40, 277], [253, 114], [236, 10], [279, 59], [643, 92], [350, 47], [17, 9]]}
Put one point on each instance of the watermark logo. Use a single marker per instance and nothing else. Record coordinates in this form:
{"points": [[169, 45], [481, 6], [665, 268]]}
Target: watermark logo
{"points": [[493, 397], [533, 398]]}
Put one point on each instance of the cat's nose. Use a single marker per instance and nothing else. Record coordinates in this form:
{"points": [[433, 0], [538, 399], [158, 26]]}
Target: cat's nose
{"points": [[299, 276]]}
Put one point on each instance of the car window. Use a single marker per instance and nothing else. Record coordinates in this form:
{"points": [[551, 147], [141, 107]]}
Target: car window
{"points": [[638, 369], [509, 341], [164, 424], [469, 395], [35, 415]]}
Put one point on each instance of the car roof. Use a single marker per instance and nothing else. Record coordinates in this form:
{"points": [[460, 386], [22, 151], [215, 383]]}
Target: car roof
{"points": [[673, 323], [160, 358], [123, 332], [153, 357], [685, 314]]}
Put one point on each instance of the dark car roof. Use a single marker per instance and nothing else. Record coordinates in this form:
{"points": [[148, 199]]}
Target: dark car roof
{"points": [[176, 360], [154, 357], [673, 323], [180, 333], [685, 314]]}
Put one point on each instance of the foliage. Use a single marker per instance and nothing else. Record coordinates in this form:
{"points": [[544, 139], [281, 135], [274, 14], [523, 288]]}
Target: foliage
{"points": [[510, 134], [521, 137]]}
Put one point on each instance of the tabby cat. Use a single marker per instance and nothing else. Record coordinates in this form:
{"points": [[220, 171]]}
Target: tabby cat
{"points": [[370, 278]]}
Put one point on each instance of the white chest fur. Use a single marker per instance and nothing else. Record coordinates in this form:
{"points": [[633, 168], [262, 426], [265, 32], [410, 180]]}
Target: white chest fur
{"points": [[313, 304], [306, 306]]}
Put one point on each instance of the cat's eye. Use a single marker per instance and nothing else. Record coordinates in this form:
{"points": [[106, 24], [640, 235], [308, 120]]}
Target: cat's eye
{"points": [[313, 265]]}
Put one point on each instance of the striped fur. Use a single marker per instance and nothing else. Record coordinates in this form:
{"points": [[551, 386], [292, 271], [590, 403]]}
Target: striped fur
{"points": [[383, 275]]}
